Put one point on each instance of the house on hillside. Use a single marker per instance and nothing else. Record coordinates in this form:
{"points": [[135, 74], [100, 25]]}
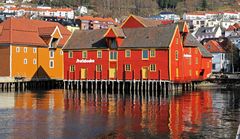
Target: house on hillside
{"points": [[140, 49], [220, 63], [166, 16], [208, 32], [31, 49]]}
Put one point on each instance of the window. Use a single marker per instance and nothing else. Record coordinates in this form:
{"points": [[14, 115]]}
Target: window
{"points": [[34, 61], [190, 61], [196, 60], [127, 53], [213, 66], [196, 51], [51, 64], [153, 67], [70, 54], [208, 64], [196, 73], [25, 61], [61, 52], [152, 53], [144, 54], [176, 40], [25, 49], [34, 50], [51, 54], [127, 67], [176, 55], [17, 49], [99, 54], [113, 43], [84, 54], [190, 72], [113, 55], [72, 68], [99, 68]]}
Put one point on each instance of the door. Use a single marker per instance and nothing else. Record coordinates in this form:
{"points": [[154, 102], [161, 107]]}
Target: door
{"points": [[144, 72], [112, 73], [83, 73]]}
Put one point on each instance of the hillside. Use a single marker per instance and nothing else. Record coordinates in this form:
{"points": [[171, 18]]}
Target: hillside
{"points": [[118, 8]]}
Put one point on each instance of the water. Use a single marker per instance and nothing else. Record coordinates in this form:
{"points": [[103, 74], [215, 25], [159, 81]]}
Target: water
{"points": [[68, 114]]}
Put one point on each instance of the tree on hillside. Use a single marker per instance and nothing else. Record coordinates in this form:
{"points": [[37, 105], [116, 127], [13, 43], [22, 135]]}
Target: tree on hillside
{"points": [[204, 4]]}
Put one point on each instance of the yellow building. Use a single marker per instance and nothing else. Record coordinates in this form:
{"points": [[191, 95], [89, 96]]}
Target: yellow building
{"points": [[31, 49]]}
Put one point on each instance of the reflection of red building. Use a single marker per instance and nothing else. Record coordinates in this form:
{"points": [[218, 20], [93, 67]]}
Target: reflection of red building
{"points": [[187, 112]]}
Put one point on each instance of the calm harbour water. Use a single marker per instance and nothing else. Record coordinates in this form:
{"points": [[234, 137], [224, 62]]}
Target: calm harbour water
{"points": [[71, 114]]}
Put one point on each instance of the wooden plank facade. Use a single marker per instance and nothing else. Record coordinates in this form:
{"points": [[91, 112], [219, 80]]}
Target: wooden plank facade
{"points": [[140, 49]]}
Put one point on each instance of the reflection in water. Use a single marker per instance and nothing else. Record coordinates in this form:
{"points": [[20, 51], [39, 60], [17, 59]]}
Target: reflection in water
{"points": [[72, 114]]}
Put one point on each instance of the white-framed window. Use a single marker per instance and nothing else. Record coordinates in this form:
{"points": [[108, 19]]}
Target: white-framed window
{"points": [[99, 68], [34, 61], [25, 49], [51, 54], [25, 61], [152, 53], [127, 67], [113, 55], [72, 68], [145, 54], [34, 50], [127, 53], [17, 49], [99, 54], [84, 54], [176, 54], [70, 54], [51, 64]]}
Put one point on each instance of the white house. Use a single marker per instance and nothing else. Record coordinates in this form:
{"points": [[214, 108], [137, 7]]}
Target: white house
{"points": [[208, 32]]}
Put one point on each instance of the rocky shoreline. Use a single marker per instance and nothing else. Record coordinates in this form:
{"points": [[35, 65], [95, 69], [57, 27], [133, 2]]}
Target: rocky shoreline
{"points": [[210, 85]]}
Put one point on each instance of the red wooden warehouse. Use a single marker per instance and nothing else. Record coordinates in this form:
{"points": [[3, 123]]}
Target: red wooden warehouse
{"points": [[141, 49]]}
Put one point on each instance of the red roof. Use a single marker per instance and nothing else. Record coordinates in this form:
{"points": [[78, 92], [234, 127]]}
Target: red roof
{"points": [[28, 32], [214, 47], [233, 27]]}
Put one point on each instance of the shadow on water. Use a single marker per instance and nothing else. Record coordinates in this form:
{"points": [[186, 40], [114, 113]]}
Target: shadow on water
{"points": [[74, 114]]}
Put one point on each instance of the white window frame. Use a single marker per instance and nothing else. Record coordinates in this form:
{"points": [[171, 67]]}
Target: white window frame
{"points": [[51, 67], [51, 54], [34, 50], [34, 61], [17, 49], [25, 61], [25, 49]]}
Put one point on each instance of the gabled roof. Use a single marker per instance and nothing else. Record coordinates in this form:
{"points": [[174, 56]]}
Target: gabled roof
{"points": [[214, 47], [147, 22], [151, 37], [192, 42], [205, 31], [22, 31]]}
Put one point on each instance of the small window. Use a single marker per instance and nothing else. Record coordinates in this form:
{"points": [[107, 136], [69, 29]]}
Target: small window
{"points": [[84, 54], [34, 50], [113, 55], [153, 67], [99, 68], [51, 64], [176, 55], [196, 73], [61, 52], [196, 51], [190, 72], [152, 53], [34, 61], [176, 40], [25, 61], [25, 49], [127, 53], [99, 54], [72, 68], [51, 54], [70, 54], [145, 54], [190, 61], [196, 60], [127, 67], [17, 49], [208, 64]]}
